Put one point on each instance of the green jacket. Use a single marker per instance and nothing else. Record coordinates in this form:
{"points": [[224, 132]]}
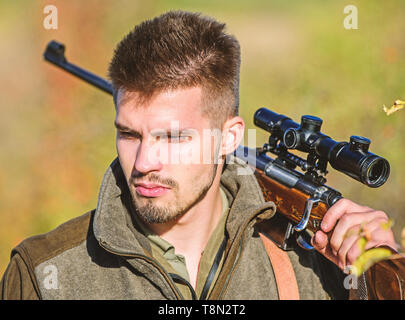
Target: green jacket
{"points": [[102, 255]]}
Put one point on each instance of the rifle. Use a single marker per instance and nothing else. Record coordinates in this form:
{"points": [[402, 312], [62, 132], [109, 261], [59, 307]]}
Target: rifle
{"points": [[302, 199]]}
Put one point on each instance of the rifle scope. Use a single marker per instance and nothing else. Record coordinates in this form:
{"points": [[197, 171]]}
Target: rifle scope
{"points": [[351, 158]]}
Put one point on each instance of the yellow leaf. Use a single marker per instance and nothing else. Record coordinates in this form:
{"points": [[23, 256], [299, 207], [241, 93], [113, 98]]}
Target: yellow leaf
{"points": [[387, 225], [398, 105], [368, 258], [362, 243]]}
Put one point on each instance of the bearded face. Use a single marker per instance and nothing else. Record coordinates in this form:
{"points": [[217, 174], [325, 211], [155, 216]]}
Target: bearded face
{"points": [[152, 153]]}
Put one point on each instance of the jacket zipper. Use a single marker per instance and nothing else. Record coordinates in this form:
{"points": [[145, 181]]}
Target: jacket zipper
{"points": [[184, 281], [151, 261], [237, 260], [229, 276]]}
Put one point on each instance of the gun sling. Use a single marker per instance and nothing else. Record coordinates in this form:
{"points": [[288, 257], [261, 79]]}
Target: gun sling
{"points": [[283, 271]]}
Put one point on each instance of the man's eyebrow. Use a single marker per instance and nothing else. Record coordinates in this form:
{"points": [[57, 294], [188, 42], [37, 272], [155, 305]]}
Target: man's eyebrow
{"points": [[124, 128], [120, 126], [157, 132]]}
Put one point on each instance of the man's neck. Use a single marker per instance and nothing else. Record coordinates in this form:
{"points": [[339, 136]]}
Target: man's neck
{"points": [[190, 233], [193, 229]]}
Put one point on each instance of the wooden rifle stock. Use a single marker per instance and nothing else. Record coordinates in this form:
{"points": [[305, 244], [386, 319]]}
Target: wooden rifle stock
{"points": [[290, 202], [301, 202]]}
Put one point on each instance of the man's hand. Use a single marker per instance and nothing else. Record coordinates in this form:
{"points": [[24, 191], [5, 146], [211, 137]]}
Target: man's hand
{"points": [[343, 225]]}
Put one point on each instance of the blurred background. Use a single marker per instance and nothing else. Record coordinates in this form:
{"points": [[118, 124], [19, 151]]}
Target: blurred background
{"points": [[57, 134]]}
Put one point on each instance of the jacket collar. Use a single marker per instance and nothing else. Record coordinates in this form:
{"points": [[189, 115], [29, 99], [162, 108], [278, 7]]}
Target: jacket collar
{"points": [[114, 228]]}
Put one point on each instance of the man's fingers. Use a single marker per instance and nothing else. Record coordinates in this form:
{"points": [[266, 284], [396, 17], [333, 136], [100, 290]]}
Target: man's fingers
{"points": [[336, 211], [351, 248], [350, 221], [344, 224], [349, 242], [320, 241]]}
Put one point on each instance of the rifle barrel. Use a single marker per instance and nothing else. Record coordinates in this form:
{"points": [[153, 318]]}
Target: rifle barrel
{"points": [[55, 54]]}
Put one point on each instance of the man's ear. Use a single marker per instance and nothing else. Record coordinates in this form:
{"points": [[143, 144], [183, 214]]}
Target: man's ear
{"points": [[232, 134]]}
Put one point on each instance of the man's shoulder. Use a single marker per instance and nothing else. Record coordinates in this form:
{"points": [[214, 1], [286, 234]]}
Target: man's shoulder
{"points": [[42, 247]]}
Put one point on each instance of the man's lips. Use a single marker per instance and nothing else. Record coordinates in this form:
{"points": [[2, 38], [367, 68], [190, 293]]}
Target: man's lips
{"points": [[151, 189]]}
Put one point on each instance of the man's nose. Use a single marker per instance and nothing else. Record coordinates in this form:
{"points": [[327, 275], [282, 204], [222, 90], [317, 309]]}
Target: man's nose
{"points": [[147, 158]]}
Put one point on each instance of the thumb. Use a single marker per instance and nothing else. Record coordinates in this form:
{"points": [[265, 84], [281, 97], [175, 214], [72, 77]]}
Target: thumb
{"points": [[320, 241]]}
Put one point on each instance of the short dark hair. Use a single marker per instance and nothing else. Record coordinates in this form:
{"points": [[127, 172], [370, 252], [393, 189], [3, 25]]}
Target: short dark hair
{"points": [[180, 50]]}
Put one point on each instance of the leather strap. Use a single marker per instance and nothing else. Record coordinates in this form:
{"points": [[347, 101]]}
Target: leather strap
{"points": [[283, 271]]}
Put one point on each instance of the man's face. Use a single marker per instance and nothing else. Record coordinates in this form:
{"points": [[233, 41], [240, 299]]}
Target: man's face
{"points": [[166, 151]]}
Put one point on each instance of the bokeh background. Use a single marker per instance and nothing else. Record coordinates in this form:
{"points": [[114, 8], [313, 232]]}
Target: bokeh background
{"points": [[57, 134]]}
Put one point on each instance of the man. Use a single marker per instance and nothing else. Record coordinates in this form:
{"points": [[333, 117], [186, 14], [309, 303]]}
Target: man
{"points": [[174, 219]]}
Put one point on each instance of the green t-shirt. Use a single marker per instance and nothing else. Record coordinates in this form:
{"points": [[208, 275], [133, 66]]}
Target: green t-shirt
{"points": [[164, 252]]}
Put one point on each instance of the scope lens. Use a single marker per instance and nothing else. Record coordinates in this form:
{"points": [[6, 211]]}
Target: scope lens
{"points": [[377, 172]]}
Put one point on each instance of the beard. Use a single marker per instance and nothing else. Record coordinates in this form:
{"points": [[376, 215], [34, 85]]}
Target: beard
{"points": [[151, 212]]}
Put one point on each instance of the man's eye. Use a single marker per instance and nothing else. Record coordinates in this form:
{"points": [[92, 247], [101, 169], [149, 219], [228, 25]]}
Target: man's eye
{"points": [[125, 135], [178, 139], [173, 138]]}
